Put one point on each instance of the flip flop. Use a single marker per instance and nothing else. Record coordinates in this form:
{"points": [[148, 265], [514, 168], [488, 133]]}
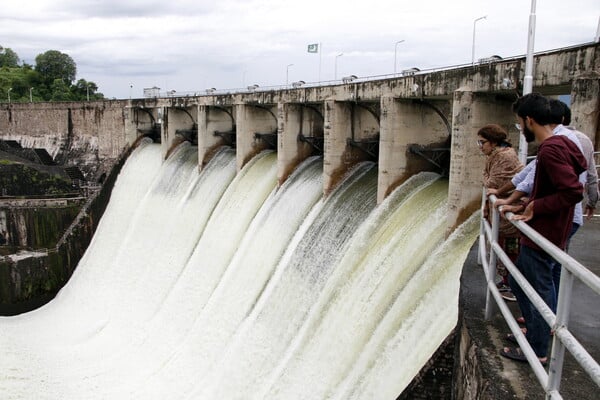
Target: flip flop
{"points": [[515, 353]]}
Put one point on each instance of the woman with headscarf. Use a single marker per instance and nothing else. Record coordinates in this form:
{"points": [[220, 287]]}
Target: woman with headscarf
{"points": [[501, 165]]}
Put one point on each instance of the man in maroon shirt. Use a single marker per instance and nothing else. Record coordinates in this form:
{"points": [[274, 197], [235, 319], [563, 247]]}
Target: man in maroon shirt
{"points": [[556, 190]]}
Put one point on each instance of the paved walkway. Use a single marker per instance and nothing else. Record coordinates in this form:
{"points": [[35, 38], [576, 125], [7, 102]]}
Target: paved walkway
{"points": [[516, 380]]}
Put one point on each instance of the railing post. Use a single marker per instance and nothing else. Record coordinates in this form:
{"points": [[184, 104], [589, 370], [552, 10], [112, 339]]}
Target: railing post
{"points": [[489, 299], [482, 224], [563, 309]]}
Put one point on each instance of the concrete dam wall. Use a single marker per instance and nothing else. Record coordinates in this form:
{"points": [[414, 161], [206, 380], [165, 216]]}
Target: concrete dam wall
{"points": [[417, 121], [414, 122], [90, 135]]}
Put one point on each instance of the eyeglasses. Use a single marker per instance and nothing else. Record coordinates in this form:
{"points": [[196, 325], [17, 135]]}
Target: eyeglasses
{"points": [[481, 142]]}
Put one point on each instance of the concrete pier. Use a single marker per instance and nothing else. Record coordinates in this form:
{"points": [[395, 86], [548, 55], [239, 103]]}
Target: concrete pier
{"points": [[300, 135], [405, 123], [470, 112], [216, 127], [253, 119]]}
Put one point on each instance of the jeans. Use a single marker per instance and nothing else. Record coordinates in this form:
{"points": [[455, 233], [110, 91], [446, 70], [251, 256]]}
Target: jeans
{"points": [[536, 266], [556, 269]]}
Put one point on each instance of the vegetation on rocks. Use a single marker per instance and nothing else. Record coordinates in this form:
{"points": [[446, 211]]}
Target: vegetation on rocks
{"points": [[21, 180]]}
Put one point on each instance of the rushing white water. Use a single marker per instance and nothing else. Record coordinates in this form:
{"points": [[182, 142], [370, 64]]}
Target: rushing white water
{"points": [[217, 285]]}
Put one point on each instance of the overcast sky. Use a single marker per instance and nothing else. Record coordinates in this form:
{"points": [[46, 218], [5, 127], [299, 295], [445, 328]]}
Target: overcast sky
{"points": [[192, 45]]}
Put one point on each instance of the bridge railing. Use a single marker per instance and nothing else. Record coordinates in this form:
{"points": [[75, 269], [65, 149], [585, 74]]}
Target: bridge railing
{"points": [[571, 270], [355, 79]]}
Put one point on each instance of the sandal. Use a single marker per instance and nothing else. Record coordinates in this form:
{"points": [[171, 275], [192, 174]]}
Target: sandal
{"points": [[515, 353]]}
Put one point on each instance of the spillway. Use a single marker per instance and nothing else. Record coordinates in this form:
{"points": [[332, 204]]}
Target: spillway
{"points": [[221, 285]]}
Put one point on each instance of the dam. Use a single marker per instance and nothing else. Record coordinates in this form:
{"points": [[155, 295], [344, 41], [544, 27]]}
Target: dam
{"points": [[215, 285], [303, 243]]}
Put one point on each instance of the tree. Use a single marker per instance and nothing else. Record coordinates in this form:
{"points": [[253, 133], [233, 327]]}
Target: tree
{"points": [[50, 80], [53, 65], [84, 89], [60, 91], [8, 58]]}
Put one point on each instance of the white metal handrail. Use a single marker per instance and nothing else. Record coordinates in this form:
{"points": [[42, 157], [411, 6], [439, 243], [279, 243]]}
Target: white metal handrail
{"points": [[563, 338]]}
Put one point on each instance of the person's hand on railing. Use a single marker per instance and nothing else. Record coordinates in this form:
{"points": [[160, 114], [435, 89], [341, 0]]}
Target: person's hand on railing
{"points": [[512, 208], [526, 215], [491, 191], [501, 202]]}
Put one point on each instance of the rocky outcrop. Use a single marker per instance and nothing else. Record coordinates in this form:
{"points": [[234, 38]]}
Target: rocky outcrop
{"points": [[32, 278]]}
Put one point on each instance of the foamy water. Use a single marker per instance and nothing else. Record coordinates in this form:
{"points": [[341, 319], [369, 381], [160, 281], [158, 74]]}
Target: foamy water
{"points": [[212, 284]]}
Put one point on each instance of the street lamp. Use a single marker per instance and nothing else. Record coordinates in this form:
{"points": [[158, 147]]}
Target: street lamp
{"points": [[130, 90], [473, 48], [528, 78], [335, 64], [87, 91], [8, 92], [396, 53], [31, 95], [287, 74]]}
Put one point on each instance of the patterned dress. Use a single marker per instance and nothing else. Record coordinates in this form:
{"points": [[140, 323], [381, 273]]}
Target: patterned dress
{"points": [[501, 165]]}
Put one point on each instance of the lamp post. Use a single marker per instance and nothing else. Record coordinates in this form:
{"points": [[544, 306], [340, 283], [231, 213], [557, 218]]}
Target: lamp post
{"points": [[8, 92], [87, 91], [287, 74], [130, 90], [396, 53], [31, 95], [528, 78], [473, 48], [335, 65]]}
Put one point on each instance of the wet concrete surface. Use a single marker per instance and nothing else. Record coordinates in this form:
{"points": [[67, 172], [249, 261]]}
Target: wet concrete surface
{"points": [[515, 380]]}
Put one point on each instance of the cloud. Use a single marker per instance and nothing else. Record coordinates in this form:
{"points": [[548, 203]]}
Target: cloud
{"points": [[229, 43]]}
